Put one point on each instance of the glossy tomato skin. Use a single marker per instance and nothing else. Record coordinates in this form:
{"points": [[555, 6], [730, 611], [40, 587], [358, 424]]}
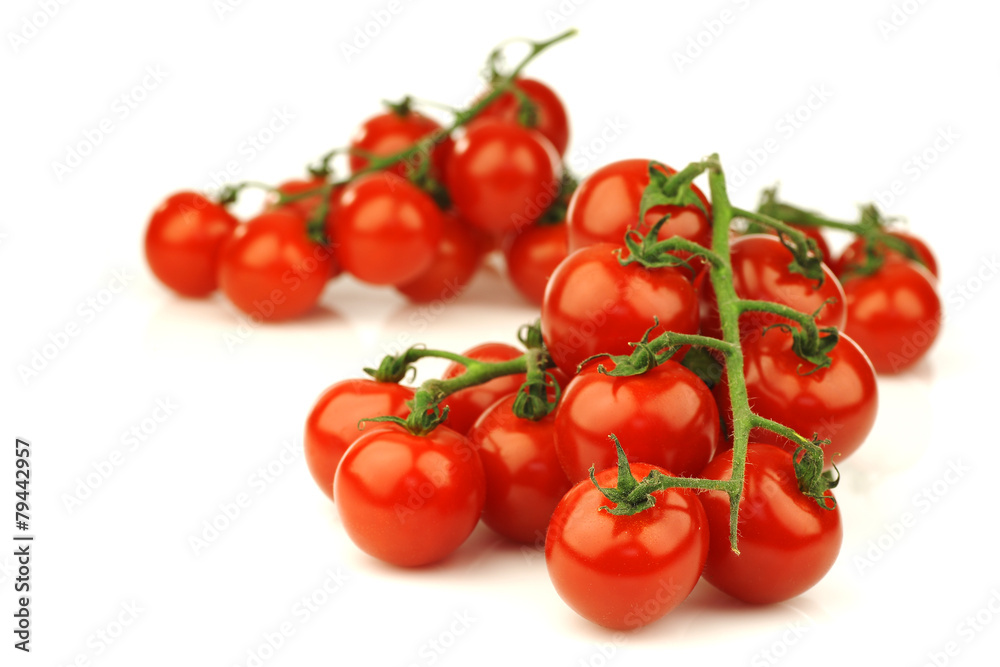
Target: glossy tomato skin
{"points": [[533, 255], [387, 230], [502, 177], [606, 205], [854, 255], [390, 132], [407, 499], [838, 402], [787, 541], [551, 120], [183, 240], [270, 269], [306, 207], [624, 572], [332, 425], [594, 305], [458, 257], [665, 417], [524, 481], [894, 314], [760, 272], [465, 405]]}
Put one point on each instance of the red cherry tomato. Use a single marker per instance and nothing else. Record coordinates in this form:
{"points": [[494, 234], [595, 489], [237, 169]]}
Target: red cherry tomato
{"points": [[594, 305], [606, 205], [524, 481], [838, 402], [387, 230], [533, 255], [550, 114], [665, 417], [894, 314], [760, 272], [465, 405], [787, 541], [307, 206], [409, 499], [183, 240], [332, 425], [502, 177], [854, 254], [624, 572], [391, 132], [458, 257], [269, 268]]}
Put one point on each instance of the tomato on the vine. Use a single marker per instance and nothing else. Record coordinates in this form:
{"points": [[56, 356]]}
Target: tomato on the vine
{"points": [[533, 255], [894, 314], [333, 423], [816, 234], [387, 230], [853, 256], [394, 131], [465, 405], [787, 541], [665, 417], [524, 481], [550, 118], [838, 403], [624, 572], [458, 257], [502, 177], [183, 240], [407, 499], [269, 268], [594, 305], [606, 205]]}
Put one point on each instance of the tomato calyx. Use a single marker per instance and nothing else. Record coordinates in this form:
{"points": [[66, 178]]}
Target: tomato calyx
{"points": [[813, 480], [813, 347], [538, 397], [675, 190], [629, 495]]}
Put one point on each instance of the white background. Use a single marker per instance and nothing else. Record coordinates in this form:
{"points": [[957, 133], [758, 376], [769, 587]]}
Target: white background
{"points": [[891, 598]]}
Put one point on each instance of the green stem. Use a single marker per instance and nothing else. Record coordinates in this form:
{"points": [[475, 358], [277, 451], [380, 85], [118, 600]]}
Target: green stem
{"points": [[804, 320]]}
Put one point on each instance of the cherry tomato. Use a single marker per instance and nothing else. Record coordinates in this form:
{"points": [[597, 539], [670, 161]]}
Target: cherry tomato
{"points": [[269, 268], [606, 205], [524, 481], [550, 113], [183, 240], [894, 314], [533, 255], [854, 254], [387, 230], [665, 417], [624, 572], [458, 257], [838, 402], [307, 206], [465, 405], [594, 305], [332, 425], [391, 132], [760, 272], [407, 499], [787, 541], [502, 177]]}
